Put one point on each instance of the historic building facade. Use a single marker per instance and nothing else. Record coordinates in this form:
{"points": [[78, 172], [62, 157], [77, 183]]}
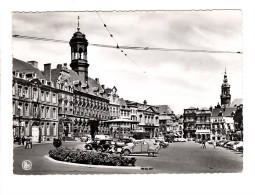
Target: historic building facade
{"points": [[222, 123], [167, 120], [189, 122], [35, 102], [59, 102], [203, 124], [148, 118], [114, 102]]}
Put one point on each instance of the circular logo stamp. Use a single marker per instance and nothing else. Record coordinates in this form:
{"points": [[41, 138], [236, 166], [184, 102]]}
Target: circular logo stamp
{"points": [[26, 165]]}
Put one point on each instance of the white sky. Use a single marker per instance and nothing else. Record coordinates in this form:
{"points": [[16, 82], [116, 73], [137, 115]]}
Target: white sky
{"points": [[178, 79]]}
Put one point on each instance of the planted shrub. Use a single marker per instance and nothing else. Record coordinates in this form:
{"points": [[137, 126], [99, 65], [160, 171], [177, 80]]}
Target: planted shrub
{"points": [[90, 157]]}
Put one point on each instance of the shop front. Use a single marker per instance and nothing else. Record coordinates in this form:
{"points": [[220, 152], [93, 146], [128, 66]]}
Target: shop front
{"points": [[203, 134]]}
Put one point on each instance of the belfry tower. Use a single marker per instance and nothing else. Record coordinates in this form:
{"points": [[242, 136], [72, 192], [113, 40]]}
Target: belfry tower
{"points": [[79, 62], [225, 92]]}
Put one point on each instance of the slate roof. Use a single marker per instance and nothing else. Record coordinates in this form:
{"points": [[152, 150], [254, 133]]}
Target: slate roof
{"points": [[55, 73], [164, 109], [25, 67], [225, 112]]}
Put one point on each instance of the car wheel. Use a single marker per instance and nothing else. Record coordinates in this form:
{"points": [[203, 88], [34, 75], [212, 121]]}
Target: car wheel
{"points": [[99, 149], [88, 147], [126, 152], [151, 154]]}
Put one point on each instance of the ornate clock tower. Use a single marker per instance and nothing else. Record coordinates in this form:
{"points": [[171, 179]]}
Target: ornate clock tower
{"points": [[225, 92], [79, 62]]}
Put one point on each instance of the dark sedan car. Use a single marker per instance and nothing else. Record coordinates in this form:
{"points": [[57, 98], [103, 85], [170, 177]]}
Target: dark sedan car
{"points": [[99, 145]]}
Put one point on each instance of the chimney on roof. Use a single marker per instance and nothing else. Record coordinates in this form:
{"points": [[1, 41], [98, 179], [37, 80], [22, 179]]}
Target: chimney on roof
{"points": [[102, 86], [97, 80], [59, 66], [145, 102], [47, 71], [33, 63]]}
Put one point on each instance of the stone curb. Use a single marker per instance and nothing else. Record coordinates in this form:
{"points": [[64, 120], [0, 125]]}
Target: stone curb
{"points": [[92, 166]]}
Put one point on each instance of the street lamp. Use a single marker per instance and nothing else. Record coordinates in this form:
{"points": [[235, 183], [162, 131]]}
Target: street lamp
{"points": [[19, 108]]}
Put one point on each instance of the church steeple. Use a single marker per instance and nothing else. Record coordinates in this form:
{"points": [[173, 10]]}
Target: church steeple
{"points": [[225, 92], [79, 63]]}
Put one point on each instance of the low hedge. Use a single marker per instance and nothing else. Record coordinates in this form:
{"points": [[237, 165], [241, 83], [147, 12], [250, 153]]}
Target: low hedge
{"points": [[90, 157]]}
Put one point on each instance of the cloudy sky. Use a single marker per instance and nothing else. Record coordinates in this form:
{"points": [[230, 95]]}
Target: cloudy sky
{"points": [[179, 79]]}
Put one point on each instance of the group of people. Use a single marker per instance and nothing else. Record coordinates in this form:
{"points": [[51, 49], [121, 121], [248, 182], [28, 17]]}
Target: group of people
{"points": [[203, 143], [28, 142]]}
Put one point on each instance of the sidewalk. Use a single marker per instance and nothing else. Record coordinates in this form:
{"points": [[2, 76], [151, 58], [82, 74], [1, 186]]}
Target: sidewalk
{"points": [[45, 142]]}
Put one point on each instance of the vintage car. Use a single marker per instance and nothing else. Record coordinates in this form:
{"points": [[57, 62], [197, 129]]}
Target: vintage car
{"points": [[102, 137], [237, 146], [126, 140], [100, 145], [140, 147]]}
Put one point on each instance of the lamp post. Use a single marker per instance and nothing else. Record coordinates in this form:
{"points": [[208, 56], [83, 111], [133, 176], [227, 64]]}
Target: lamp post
{"points": [[19, 108]]}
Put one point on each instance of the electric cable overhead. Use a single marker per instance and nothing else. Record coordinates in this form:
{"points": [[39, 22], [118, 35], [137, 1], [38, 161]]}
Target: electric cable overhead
{"points": [[132, 47], [117, 45]]}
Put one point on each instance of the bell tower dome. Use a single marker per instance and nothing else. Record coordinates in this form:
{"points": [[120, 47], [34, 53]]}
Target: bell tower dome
{"points": [[79, 62], [225, 92]]}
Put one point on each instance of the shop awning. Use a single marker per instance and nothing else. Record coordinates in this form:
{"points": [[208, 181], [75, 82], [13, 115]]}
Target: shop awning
{"points": [[203, 131], [121, 120]]}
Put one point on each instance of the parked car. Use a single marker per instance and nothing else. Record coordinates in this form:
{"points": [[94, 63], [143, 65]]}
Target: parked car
{"points": [[210, 141], [161, 143], [85, 138], [182, 139], [224, 143], [219, 143], [230, 144], [239, 148], [154, 142], [102, 137], [140, 147], [236, 145], [126, 140], [100, 145]]}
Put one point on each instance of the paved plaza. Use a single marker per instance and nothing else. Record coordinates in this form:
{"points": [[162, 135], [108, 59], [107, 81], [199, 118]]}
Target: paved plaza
{"points": [[186, 157]]}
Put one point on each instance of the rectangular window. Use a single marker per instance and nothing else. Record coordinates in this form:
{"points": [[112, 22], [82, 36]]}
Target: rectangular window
{"points": [[25, 92], [42, 112], [13, 89], [54, 98], [42, 95], [34, 94], [48, 129], [47, 112], [20, 91], [54, 113], [47, 96], [13, 108], [54, 128], [26, 110], [35, 111], [20, 109]]}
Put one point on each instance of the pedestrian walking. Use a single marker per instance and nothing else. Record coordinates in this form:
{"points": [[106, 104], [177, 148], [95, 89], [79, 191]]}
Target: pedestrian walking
{"points": [[28, 144], [203, 144], [214, 143], [23, 139]]}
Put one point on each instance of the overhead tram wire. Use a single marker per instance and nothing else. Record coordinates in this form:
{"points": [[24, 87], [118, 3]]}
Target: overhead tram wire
{"points": [[131, 47], [117, 45]]}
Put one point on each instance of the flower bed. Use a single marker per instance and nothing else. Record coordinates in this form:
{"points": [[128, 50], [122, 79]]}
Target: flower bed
{"points": [[90, 157]]}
